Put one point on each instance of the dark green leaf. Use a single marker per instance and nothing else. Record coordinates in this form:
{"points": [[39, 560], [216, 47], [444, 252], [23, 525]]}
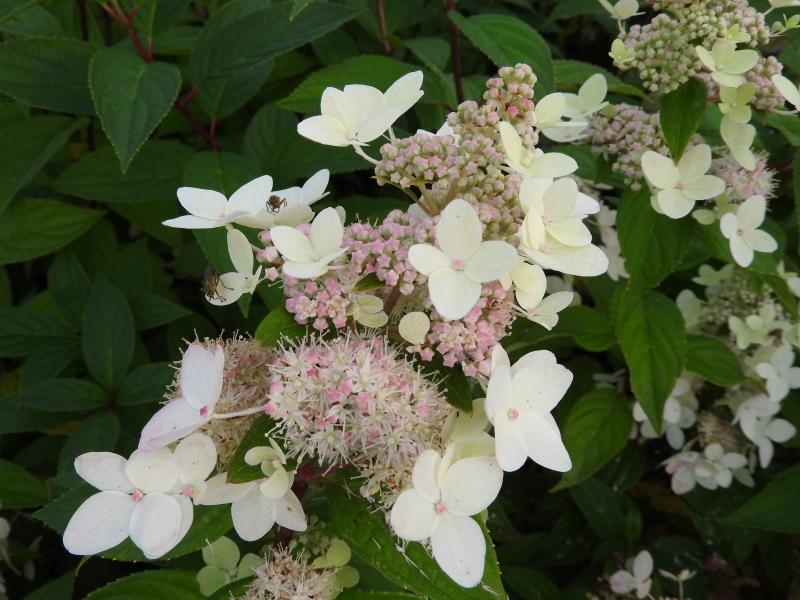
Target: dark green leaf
{"points": [[589, 327], [595, 430], [108, 335], [571, 74], [788, 125], [96, 433], [62, 395], [152, 310], [600, 506], [681, 113], [529, 584], [131, 98], [155, 585], [145, 385], [32, 228], [22, 331], [18, 488], [47, 73], [69, 284], [224, 172], [713, 360], [774, 508], [17, 419], [58, 588], [781, 289], [278, 324]]}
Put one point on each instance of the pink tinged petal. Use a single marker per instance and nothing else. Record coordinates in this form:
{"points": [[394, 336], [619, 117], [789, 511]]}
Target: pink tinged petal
{"points": [[499, 392], [173, 421], [325, 129], [460, 549], [289, 513], [202, 203], [742, 253], [156, 524], [196, 457], [453, 293], [491, 261], [543, 442], [192, 222], [471, 485], [251, 197], [201, 375], [424, 475], [659, 170], [622, 582], [426, 259], [218, 491], [253, 516], [510, 448], [292, 244], [155, 471], [674, 203], [100, 523], [413, 518], [326, 233], [760, 241], [104, 470], [459, 231]]}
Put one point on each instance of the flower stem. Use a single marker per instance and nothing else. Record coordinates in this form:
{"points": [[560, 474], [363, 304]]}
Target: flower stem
{"points": [[364, 155], [387, 47], [242, 413]]}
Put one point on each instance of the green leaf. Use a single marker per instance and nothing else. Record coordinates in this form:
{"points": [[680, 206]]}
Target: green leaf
{"points": [[18, 488], [155, 585], [507, 40], [781, 289], [234, 54], [47, 73], [774, 508], [368, 536], [32, 228], [145, 385], [152, 310], [23, 330], [529, 584], [239, 471], [433, 52], [224, 172], [601, 507], [149, 216], [788, 125], [108, 337], [58, 588], [369, 69], [69, 285], [154, 174], [589, 327], [62, 395], [278, 324], [96, 433], [713, 360], [131, 98], [681, 113], [595, 430], [652, 335], [27, 146], [571, 74], [456, 386], [652, 245]]}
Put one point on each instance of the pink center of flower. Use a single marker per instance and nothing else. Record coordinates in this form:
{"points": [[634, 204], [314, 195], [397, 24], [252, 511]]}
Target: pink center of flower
{"points": [[544, 247], [204, 411], [271, 408], [458, 264], [513, 414], [136, 496], [441, 507], [188, 490]]}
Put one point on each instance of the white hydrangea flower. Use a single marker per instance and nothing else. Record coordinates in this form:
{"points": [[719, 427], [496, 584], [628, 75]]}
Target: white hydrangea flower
{"points": [[309, 256], [738, 137], [712, 469], [779, 373], [679, 186], [359, 114], [533, 163], [679, 414], [622, 10], [590, 99], [755, 329], [636, 578], [712, 279], [741, 230], [519, 401], [621, 54], [200, 384], [726, 63], [735, 102], [462, 262], [291, 206], [548, 118], [788, 89], [232, 286], [756, 417], [691, 308], [208, 209], [439, 507]]}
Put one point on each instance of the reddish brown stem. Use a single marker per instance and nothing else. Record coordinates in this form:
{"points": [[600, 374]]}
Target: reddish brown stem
{"points": [[455, 51], [182, 105], [387, 47], [126, 20]]}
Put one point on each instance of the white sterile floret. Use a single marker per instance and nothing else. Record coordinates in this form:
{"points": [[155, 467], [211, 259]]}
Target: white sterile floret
{"points": [[756, 329], [622, 54], [367, 310], [788, 90], [636, 578], [714, 468], [309, 256], [552, 234], [779, 373], [756, 417], [200, 384], [148, 497], [679, 186], [621, 10], [291, 206], [679, 414], [232, 286], [414, 327], [530, 285], [548, 116], [738, 137], [208, 209], [439, 507], [462, 262], [726, 63], [783, 3], [591, 98], [519, 401], [533, 163], [741, 230], [735, 102], [257, 505], [359, 114]]}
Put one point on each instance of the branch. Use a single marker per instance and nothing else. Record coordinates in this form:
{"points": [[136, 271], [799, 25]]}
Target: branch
{"points": [[387, 47]]}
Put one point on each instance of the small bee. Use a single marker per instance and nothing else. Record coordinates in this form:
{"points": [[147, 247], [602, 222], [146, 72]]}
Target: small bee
{"points": [[275, 203], [211, 283]]}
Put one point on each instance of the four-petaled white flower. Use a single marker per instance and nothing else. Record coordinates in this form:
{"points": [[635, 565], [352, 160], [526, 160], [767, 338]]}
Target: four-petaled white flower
{"points": [[232, 286], [714, 468], [622, 54], [679, 414], [756, 418], [533, 163], [148, 497], [359, 114], [309, 256], [548, 116], [208, 209], [735, 102], [637, 578], [200, 384], [591, 98], [755, 329], [621, 10], [439, 507], [462, 262], [530, 285], [726, 63], [738, 137], [779, 373], [741, 230], [519, 400], [680, 185], [291, 206]]}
